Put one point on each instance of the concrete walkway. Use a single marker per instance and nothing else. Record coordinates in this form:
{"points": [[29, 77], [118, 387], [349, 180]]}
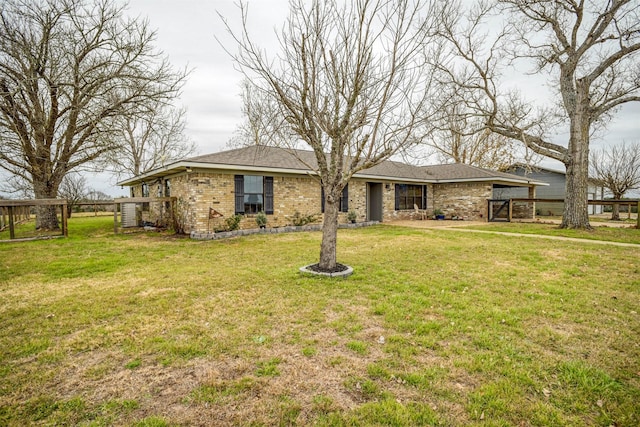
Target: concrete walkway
{"points": [[459, 226]]}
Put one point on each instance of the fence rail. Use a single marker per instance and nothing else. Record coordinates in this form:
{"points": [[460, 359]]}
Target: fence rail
{"points": [[504, 211], [13, 212]]}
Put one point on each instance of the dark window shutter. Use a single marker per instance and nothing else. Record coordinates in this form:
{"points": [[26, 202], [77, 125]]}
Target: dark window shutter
{"points": [[344, 200], [397, 195], [239, 194], [424, 197], [321, 199], [268, 195]]}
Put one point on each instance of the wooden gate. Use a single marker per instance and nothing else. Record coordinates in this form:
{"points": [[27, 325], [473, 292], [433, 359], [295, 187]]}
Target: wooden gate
{"points": [[499, 210]]}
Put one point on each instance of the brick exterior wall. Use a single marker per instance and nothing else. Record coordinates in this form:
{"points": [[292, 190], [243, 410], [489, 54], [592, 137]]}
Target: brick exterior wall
{"points": [[199, 191], [466, 200]]}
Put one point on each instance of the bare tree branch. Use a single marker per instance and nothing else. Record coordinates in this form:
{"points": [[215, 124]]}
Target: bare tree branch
{"points": [[148, 140]]}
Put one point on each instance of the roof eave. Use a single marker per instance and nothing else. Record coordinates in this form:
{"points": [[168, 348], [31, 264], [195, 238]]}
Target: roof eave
{"points": [[494, 179], [393, 178], [188, 166]]}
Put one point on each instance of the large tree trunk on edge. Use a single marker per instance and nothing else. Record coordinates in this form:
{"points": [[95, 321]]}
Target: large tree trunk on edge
{"points": [[328, 248], [46, 216], [576, 208]]}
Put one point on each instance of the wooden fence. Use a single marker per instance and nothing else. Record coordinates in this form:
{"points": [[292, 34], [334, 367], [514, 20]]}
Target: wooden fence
{"points": [[17, 211], [502, 209]]}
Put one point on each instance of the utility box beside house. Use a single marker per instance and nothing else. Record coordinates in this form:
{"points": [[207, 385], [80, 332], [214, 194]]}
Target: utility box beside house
{"points": [[129, 217]]}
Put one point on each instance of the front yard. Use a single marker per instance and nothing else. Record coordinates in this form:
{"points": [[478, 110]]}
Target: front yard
{"points": [[434, 328]]}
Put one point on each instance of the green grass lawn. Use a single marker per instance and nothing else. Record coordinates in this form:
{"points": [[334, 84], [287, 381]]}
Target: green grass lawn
{"points": [[435, 327]]}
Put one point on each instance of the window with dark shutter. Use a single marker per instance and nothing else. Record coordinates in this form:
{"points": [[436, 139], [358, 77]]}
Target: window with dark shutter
{"points": [[268, 195], [239, 194], [253, 194], [344, 199]]}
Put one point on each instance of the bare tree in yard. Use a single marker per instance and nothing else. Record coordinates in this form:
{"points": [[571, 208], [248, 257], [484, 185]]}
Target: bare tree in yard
{"points": [[263, 124], [68, 70], [350, 82], [149, 140], [73, 188], [462, 138], [16, 186], [588, 48], [618, 168]]}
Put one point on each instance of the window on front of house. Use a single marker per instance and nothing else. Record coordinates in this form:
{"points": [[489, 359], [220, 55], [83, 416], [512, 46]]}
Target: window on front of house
{"points": [[408, 195], [253, 194], [344, 199]]}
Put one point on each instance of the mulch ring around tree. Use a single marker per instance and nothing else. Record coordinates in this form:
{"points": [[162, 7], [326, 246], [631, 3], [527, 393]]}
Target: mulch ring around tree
{"points": [[340, 270]]}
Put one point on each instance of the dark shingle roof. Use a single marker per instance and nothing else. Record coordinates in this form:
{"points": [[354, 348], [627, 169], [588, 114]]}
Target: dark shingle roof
{"points": [[304, 161], [459, 171], [260, 156]]}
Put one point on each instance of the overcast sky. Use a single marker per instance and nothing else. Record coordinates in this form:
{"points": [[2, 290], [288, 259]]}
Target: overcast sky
{"points": [[186, 33]]}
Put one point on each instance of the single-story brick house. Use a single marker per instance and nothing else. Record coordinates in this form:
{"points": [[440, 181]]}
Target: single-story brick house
{"points": [[281, 182]]}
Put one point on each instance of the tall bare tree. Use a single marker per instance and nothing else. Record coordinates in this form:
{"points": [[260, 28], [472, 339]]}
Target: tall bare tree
{"points": [[68, 70], [73, 188], [588, 48], [149, 140], [350, 81], [618, 169], [462, 138], [263, 123]]}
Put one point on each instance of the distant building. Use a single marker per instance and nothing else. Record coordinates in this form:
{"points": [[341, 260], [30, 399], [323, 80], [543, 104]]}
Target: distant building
{"points": [[555, 189]]}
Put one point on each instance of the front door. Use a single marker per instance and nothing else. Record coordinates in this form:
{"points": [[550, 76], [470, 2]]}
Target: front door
{"points": [[374, 201]]}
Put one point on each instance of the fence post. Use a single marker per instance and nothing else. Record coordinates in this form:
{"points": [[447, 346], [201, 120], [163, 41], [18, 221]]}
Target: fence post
{"points": [[12, 231], [115, 217], [65, 227]]}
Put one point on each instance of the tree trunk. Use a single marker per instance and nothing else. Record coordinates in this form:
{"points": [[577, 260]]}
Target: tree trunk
{"points": [[576, 208], [46, 216], [328, 247], [615, 213]]}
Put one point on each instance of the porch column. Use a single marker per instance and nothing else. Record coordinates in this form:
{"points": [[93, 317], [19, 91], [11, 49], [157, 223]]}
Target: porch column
{"points": [[532, 205]]}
